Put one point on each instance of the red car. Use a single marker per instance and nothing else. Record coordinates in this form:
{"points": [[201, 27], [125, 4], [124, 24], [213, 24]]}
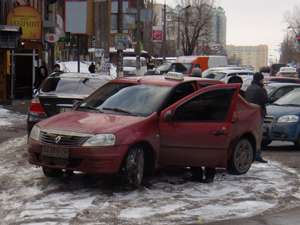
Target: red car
{"points": [[133, 125]]}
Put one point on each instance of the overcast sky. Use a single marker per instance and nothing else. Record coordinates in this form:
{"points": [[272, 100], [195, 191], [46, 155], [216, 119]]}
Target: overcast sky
{"points": [[252, 22]]}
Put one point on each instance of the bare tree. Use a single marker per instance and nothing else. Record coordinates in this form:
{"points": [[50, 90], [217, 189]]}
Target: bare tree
{"points": [[196, 22], [293, 19]]}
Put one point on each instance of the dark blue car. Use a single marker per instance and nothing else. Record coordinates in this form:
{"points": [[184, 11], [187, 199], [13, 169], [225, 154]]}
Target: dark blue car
{"points": [[282, 122]]}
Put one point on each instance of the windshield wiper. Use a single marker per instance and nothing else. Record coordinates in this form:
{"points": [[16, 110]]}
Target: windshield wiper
{"points": [[89, 107], [118, 110]]}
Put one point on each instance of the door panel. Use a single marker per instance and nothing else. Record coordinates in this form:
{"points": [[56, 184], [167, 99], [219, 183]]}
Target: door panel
{"points": [[200, 129]]}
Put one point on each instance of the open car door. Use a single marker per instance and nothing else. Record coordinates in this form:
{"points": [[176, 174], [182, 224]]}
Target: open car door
{"points": [[196, 130]]}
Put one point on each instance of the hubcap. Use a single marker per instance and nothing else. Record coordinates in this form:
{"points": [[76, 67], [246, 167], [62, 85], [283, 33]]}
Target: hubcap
{"points": [[243, 156]]}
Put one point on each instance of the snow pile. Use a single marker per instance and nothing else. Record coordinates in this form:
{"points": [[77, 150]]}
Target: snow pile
{"points": [[8, 118]]}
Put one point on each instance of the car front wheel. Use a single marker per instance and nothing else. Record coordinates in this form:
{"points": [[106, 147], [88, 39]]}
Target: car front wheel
{"points": [[50, 172], [242, 157], [133, 168]]}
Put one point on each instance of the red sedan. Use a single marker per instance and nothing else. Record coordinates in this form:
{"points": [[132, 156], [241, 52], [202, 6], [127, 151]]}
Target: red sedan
{"points": [[133, 125]]}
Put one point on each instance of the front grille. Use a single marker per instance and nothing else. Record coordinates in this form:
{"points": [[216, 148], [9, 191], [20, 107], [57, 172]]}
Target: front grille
{"points": [[62, 139], [268, 119]]}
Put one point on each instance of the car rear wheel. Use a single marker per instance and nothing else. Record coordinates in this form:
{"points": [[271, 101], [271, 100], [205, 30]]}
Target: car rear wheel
{"points": [[133, 168], [51, 172], [242, 157]]}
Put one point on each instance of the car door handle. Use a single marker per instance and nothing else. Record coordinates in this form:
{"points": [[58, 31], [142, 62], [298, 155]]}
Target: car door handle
{"points": [[219, 132]]}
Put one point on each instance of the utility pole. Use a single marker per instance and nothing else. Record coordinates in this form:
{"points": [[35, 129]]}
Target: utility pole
{"points": [[138, 37], [165, 31], [120, 32]]}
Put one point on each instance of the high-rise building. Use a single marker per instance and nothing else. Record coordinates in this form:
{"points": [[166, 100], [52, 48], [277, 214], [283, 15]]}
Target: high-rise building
{"points": [[218, 27], [255, 56]]}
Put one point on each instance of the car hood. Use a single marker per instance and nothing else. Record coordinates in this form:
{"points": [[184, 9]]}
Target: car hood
{"points": [[89, 123], [277, 111]]}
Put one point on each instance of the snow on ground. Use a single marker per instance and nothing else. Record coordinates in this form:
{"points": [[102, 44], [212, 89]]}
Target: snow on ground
{"points": [[27, 197], [8, 118]]}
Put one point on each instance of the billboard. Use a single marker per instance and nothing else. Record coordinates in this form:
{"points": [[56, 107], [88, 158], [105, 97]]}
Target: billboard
{"points": [[29, 19], [157, 34], [79, 16]]}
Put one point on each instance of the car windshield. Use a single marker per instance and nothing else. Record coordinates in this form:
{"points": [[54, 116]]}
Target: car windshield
{"points": [[131, 99], [216, 75], [67, 85], [129, 63], [164, 67], [290, 99]]}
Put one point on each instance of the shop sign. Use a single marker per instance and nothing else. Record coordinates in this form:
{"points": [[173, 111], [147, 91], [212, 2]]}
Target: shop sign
{"points": [[157, 34], [29, 19]]}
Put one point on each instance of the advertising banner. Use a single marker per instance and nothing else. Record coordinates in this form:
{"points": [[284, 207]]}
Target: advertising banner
{"points": [[29, 19], [157, 34]]}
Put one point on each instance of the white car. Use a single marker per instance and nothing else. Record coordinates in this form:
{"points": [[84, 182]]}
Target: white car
{"points": [[224, 75], [129, 66], [287, 71]]}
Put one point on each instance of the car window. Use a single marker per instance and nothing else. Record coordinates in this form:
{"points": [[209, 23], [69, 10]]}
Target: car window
{"points": [[212, 106], [216, 75], [180, 92], [82, 86], [281, 92]]}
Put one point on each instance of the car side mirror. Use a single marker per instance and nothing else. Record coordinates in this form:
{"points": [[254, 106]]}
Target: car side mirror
{"points": [[76, 104], [168, 116]]}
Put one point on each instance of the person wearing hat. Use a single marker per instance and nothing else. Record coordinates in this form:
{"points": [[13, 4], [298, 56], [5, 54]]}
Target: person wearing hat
{"points": [[257, 94]]}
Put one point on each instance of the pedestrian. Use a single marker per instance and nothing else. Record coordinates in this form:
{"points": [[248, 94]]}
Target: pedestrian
{"points": [[237, 80], [92, 68], [197, 72], [56, 68], [257, 94], [42, 74]]}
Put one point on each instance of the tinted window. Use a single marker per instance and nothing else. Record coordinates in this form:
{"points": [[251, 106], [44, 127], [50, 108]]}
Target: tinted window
{"points": [[282, 91], [212, 106], [140, 100], [180, 92], [81, 86]]}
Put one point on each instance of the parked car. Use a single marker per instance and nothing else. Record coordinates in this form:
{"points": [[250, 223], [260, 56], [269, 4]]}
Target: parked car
{"points": [[224, 75], [277, 90], [287, 72], [129, 65], [132, 125], [59, 92], [282, 121], [220, 69]]}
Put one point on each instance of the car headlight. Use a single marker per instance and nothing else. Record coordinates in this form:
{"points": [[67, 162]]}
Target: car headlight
{"points": [[35, 133], [288, 119], [101, 140]]}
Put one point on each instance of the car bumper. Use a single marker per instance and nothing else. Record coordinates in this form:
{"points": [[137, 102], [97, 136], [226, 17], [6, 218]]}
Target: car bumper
{"points": [[281, 132], [100, 160]]}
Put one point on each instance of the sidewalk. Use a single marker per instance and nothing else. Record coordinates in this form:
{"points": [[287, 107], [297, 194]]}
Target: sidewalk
{"points": [[287, 217], [20, 106]]}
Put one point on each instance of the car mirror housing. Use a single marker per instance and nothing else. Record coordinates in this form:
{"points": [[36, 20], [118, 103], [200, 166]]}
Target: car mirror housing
{"points": [[76, 104], [168, 116]]}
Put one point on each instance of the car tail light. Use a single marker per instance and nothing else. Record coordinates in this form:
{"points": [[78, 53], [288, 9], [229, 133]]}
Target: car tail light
{"points": [[36, 108]]}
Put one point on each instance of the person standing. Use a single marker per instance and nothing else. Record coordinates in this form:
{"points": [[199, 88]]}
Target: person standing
{"points": [[197, 72], [42, 74], [92, 68], [257, 94]]}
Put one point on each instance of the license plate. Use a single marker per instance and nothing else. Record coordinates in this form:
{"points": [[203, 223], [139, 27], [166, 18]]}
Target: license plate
{"points": [[54, 152], [65, 109]]}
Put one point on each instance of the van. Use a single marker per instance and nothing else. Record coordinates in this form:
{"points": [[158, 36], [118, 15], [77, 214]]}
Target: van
{"points": [[204, 62]]}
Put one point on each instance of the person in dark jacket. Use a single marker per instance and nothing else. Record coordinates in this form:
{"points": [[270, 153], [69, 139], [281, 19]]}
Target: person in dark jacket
{"points": [[257, 94], [92, 68], [237, 80], [196, 72], [42, 74]]}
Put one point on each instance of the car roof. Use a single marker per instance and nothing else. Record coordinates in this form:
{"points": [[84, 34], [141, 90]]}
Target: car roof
{"points": [[278, 84], [79, 75], [229, 71], [163, 81]]}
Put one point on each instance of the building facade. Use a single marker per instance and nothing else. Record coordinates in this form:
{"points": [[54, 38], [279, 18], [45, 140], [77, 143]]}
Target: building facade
{"points": [[255, 56]]}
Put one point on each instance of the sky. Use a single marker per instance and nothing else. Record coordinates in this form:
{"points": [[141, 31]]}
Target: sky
{"points": [[253, 22]]}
